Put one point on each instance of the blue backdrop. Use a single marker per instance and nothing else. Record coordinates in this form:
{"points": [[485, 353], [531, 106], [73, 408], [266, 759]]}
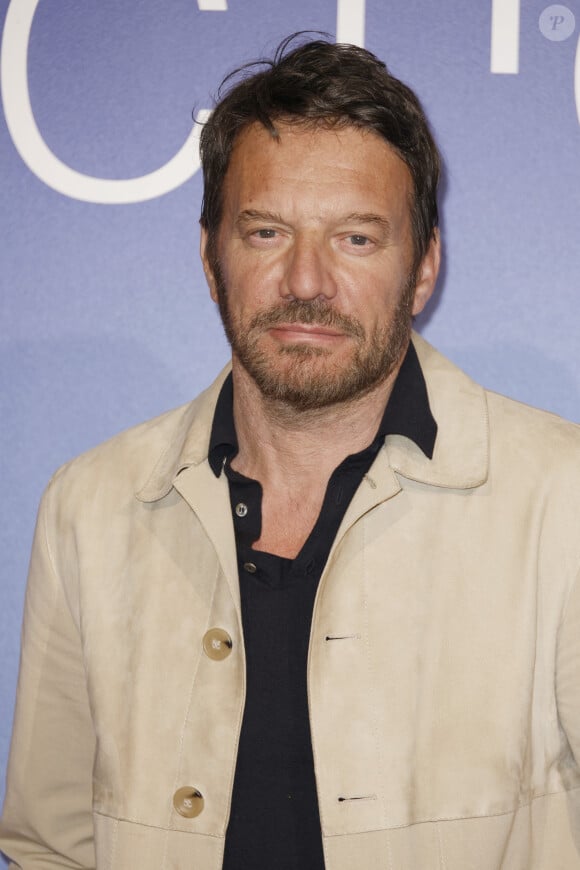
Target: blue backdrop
{"points": [[106, 319]]}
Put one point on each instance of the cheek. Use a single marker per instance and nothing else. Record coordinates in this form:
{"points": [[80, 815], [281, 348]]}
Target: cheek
{"points": [[252, 282], [370, 296]]}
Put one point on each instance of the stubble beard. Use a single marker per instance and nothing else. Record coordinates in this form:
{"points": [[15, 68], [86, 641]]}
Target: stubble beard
{"points": [[305, 383]]}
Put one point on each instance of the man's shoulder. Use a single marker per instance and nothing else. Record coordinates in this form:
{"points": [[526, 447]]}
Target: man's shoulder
{"points": [[529, 420], [513, 429], [540, 444], [128, 460], [440, 371]]}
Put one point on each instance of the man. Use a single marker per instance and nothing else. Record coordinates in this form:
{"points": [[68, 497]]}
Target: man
{"points": [[327, 614]]}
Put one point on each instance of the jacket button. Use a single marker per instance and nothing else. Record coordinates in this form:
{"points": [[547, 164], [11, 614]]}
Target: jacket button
{"points": [[217, 644], [188, 801]]}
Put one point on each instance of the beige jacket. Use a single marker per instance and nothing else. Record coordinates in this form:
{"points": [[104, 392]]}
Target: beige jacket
{"points": [[444, 664]]}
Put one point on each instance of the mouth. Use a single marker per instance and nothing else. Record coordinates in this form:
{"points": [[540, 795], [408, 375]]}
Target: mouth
{"points": [[305, 333]]}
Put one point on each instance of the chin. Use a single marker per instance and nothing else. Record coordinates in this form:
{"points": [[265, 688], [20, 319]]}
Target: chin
{"points": [[311, 381]]}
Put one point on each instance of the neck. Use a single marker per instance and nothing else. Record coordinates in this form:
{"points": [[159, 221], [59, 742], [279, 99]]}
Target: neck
{"points": [[278, 444]]}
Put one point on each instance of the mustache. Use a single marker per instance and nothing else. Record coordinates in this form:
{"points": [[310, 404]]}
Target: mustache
{"points": [[312, 313]]}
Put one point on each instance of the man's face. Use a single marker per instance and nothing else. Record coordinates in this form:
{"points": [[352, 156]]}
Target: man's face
{"points": [[312, 264]]}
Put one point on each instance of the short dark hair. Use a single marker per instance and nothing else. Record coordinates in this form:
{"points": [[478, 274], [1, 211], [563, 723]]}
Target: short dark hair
{"points": [[319, 83]]}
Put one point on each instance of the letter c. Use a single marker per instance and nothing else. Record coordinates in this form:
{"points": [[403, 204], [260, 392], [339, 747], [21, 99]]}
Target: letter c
{"points": [[37, 155]]}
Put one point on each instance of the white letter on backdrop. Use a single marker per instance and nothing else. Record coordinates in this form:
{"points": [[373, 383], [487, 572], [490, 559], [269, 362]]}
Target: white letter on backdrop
{"points": [[505, 36], [577, 79], [350, 21], [38, 156]]}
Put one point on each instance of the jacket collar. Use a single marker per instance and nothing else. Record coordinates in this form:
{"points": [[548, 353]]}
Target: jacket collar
{"points": [[460, 459], [459, 405], [188, 445]]}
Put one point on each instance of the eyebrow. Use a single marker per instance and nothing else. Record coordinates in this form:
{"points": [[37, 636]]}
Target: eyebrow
{"points": [[248, 215], [368, 218]]}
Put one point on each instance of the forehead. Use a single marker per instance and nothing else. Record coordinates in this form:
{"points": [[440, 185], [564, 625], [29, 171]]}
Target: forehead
{"points": [[328, 165]]}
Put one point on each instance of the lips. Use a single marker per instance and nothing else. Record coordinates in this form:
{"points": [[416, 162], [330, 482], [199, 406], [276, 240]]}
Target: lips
{"points": [[307, 329], [306, 335]]}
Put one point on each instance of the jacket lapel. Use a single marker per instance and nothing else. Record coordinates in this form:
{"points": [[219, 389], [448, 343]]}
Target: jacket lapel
{"points": [[209, 499], [183, 465]]}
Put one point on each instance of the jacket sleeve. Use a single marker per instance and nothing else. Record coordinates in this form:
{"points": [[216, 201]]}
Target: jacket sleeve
{"points": [[568, 672], [47, 818]]}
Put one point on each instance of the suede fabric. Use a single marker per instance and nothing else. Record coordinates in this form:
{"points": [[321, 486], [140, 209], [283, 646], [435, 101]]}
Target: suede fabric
{"points": [[444, 661]]}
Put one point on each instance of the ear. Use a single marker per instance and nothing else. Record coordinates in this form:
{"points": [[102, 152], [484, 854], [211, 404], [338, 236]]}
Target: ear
{"points": [[208, 271], [427, 273]]}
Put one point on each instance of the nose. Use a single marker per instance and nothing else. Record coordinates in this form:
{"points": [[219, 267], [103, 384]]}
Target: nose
{"points": [[308, 272]]}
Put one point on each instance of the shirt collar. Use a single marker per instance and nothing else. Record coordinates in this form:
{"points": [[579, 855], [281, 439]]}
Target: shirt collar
{"points": [[407, 413]]}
